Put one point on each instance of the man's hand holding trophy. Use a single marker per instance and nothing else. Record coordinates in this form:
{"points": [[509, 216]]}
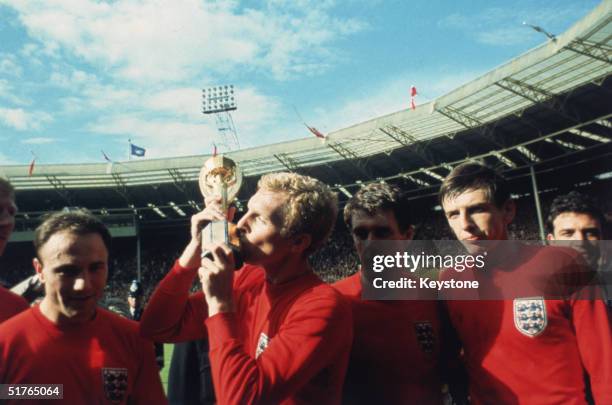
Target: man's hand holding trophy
{"points": [[220, 180]]}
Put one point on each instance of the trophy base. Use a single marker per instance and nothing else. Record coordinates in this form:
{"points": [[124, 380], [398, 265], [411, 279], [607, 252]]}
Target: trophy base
{"points": [[218, 232]]}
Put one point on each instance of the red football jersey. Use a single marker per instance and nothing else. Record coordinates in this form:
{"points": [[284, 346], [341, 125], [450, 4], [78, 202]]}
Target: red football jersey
{"points": [[103, 361], [10, 304], [286, 343]]}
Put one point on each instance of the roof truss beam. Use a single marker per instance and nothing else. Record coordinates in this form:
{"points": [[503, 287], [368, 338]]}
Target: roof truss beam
{"points": [[60, 188], [287, 161], [407, 139], [350, 157], [591, 49]]}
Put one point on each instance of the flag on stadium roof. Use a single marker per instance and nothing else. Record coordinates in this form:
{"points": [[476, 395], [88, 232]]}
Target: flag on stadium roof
{"points": [[214, 150], [109, 166], [32, 163], [413, 93], [31, 169], [136, 150], [315, 131]]}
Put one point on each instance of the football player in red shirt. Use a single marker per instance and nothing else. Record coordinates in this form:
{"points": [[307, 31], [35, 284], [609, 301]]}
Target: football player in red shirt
{"points": [[510, 361], [396, 344], [95, 354], [277, 333], [10, 304]]}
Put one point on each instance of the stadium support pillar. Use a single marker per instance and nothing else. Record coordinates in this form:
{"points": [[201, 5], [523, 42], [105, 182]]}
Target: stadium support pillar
{"points": [[137, 227], [536, 197]]}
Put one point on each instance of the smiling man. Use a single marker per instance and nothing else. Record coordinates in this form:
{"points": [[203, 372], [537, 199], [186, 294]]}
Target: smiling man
{"points": [[67, 339], [10, 304], [277, 333], [529, 349]]}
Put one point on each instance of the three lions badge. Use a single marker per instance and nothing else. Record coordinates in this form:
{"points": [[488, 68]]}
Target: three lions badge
{"points": [[530, 315], [115, 383]]}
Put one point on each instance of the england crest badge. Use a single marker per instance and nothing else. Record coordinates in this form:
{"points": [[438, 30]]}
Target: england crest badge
{"points": [[530, 315], [115, 383], [262, 343], [425, 335]]}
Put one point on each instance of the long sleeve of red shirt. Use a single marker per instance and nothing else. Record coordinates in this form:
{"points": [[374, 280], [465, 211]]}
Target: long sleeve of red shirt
{"points": [[172, 315], [591, 321], [11, 304], [283, 344]]}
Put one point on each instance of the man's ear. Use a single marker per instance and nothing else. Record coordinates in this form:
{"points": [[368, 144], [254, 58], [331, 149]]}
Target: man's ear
{"points": [[301, 242], [38, 269], [409, 233], [509, 209]]}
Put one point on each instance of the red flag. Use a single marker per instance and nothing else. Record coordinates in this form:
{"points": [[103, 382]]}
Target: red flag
{"points": [[315, 132], [214, 149], [31, 169], [413, 93]]}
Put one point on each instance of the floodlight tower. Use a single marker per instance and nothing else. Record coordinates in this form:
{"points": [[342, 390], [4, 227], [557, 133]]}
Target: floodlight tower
{"points": [[220, 100]]}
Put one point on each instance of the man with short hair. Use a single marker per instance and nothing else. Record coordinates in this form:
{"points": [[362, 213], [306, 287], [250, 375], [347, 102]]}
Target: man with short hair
{"points": [[396, 346], [96, 355], [10, 304], [277, 333], [576, 218], [529, 349]]}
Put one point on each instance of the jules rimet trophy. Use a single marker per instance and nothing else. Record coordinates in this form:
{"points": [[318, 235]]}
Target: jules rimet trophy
{"points": [[221, 177]]}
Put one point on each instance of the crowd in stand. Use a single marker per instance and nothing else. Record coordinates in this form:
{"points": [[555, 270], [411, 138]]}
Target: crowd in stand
{"points": [[335, 261]]}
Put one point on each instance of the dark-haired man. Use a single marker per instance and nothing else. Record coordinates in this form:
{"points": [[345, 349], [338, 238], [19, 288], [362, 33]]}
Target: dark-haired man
{"points": [[96, 355], [396, 344], [529, 349], [277, 333], [10, 304], [575, 217]]}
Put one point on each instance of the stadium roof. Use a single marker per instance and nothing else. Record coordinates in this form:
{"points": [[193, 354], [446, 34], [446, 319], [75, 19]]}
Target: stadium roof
{"points": [[551, 104]]}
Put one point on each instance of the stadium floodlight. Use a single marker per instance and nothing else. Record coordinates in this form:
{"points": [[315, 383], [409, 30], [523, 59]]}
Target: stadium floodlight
{"points": [[218, 99], [193, 205], [157, 210], [604, 123], [567, 145], [344, 190], [589, 135], [528, 154], [416, 181], [504, 160], [432, 174], [177, 209]]}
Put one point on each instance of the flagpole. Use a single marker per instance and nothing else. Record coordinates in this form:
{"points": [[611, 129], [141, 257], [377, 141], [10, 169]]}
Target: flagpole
{"points": [[129, 151]]}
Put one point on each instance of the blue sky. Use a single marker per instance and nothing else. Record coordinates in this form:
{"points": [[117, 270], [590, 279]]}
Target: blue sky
{"points": [[81, 76]]}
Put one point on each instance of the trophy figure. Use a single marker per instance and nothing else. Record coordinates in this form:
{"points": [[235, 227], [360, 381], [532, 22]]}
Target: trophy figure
{"points": [[221, 177]]}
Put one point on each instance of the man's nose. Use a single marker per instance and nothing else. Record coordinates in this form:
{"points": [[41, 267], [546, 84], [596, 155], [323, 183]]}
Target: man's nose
{"points": [[465, 221], [82, 282]]}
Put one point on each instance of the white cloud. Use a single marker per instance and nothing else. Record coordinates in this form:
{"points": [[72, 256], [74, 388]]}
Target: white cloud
{"points": [[38, 141], [7, 92], [9, 65], [22, 120], [6, 160], [146, 40], [160, 138]]}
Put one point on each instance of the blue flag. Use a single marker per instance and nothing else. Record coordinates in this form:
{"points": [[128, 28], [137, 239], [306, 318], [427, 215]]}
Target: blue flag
{"points": [[137, 150]]}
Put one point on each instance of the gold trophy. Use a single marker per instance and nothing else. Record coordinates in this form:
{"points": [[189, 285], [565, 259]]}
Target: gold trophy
{"points": [[221, 177]]}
